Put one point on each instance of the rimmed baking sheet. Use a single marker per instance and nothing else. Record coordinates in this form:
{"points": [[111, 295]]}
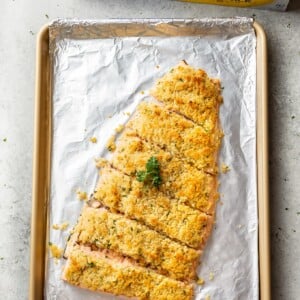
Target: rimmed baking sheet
{"points": [[220, 28]]}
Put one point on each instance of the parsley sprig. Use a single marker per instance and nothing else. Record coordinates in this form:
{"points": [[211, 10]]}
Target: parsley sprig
{"points": [[152, 173]]}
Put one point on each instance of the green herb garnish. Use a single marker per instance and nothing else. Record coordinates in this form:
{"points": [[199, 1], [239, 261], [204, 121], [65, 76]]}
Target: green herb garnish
{"points": [[152, 173], [91, 264]]}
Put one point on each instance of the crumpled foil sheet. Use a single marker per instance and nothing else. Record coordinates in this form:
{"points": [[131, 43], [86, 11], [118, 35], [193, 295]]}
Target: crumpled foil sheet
{"points": [[101, 70]]}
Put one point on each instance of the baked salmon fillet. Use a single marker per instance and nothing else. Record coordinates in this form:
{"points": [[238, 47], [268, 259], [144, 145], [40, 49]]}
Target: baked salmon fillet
{"points": [[104, 271], [102, 229], [124, 194], [142, 232], [181, 137], [192, 93], [200, 188]]}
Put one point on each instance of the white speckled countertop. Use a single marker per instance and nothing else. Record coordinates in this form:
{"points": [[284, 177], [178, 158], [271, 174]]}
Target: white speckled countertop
{"points": [[20, 22]]}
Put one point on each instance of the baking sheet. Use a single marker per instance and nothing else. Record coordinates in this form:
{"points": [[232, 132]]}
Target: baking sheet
{"points": [[100, 69]]}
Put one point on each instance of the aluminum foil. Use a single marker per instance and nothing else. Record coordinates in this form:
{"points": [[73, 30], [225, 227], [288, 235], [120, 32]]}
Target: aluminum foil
{"points": [[101, 70]]}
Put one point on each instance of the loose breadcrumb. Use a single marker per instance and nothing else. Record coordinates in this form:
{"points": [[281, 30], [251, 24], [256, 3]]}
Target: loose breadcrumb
{"points": [[56, 252], [119, 128], [62, 226], [225, 168], [200, 281], [111, 145], [211, 276], [207, 297], [100, 162], [93, 140], [142, 92], [81, 195]]}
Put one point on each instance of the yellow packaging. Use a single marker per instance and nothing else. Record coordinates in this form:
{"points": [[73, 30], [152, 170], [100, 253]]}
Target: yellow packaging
{"points": [[280, 5]]}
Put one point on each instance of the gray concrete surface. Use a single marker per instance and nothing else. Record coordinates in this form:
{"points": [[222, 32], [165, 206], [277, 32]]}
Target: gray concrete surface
{"points": [[19, 24]]}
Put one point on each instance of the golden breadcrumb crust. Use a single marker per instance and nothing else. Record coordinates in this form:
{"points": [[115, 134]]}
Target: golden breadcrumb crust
{"points": [[200, 188], [106, 230], [104, 272], [192, 93], [121, 193], [181, 137]]}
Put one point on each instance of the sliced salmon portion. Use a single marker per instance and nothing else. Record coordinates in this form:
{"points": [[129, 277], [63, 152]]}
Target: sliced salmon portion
{"points": [[103, 271], [177, 220], [180, 180], [105, 230], [192, 93], [181, 137]]}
